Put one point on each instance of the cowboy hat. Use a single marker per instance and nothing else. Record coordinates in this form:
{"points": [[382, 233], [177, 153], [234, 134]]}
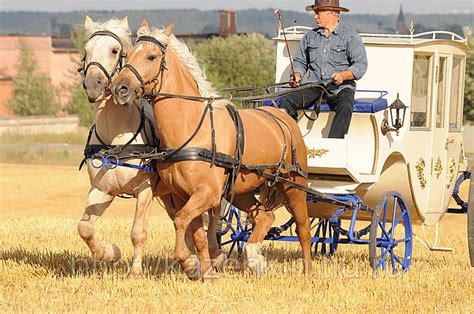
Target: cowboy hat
{"points": [[326, 5]]}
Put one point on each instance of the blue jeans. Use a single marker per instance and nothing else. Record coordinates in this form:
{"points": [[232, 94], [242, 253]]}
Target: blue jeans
{"points": [[341, 103]]}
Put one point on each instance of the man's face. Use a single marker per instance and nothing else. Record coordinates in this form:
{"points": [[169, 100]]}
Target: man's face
{"points": [[325, 18]]}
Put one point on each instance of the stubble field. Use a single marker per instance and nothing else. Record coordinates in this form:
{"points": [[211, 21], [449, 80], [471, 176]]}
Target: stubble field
{"points": [[45, 266]]}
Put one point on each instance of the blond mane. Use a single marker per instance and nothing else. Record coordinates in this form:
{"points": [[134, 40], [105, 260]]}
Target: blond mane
{"points": [[189, 60], [115, 26]]}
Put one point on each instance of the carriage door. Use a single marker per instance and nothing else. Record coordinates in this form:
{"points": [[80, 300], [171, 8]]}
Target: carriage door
{"points": [[440, 136]]}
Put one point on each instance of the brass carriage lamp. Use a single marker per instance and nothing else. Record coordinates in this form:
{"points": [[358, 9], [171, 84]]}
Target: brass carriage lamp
{"points": [[397, 117]]}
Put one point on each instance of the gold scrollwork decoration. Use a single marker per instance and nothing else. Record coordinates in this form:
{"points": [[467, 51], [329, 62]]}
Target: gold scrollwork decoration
{"points": [[438, 168], [451, 172], [420, 167], [313, 152]]}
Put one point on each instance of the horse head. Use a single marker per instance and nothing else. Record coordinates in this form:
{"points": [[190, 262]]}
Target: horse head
{"points": [[146, 65], [105, 49]]}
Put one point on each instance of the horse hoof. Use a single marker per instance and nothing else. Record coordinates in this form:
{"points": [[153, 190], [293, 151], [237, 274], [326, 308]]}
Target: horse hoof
{"points": [[111, 253], [256, 262], [258, 265], [192, 267], [219, 262], [135, 274]]}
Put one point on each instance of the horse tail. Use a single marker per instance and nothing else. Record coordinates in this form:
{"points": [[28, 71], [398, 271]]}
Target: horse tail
{"points": [[270, 196]]}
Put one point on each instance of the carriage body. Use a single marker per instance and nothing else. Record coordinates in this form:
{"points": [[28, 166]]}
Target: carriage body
{"points": [[423, 160]]}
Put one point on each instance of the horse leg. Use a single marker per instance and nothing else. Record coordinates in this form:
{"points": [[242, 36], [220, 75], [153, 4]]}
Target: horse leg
{"points": [[296, 202], [193, 239], [139, 233], [218, 258], [197, 204], [97, 203], [263, 221]]}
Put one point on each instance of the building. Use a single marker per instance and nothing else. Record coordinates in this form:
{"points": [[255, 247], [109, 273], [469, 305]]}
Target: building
{"points": [[401, 26], [58, 59]]}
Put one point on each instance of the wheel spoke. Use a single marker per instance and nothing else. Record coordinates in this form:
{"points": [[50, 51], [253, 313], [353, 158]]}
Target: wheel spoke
{"points": [[383, 257], [399, 261], [397, 221], [384, 231], [392, 258]]}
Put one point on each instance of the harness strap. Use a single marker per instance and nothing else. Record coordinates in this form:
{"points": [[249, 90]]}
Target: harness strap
{"points": [[126, 151]]}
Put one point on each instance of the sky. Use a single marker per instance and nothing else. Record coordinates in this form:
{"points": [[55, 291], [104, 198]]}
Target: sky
{"points": [[356, 6]]}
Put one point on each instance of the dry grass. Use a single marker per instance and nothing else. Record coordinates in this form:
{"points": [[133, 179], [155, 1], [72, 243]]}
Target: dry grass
{"points": [[45, 266]]}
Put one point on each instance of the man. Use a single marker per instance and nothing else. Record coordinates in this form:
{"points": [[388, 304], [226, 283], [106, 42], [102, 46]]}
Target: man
{"points": [[331, 54]]}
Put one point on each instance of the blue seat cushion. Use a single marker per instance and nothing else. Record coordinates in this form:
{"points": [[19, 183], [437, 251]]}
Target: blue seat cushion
{"points": [[365, 105]]}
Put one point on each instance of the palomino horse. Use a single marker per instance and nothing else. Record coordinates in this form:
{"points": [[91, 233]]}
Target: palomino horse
{"points": [[124, 129], [160, 65]]}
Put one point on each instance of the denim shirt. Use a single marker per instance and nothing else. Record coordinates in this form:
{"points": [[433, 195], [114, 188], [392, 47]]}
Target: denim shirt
{"points": [[319, 56]]}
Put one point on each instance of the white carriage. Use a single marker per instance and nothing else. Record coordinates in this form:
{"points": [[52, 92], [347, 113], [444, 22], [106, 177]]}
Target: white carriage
{"points": [[402, 156], [423, 158]]}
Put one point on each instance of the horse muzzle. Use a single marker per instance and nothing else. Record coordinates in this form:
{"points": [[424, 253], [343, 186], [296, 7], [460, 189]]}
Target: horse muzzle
{"points": [[123, 94], [94, 86]]}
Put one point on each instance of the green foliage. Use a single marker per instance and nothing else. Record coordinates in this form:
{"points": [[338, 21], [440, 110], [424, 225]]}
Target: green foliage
{"points": [[237, 61], [32, 91], [469, 88], [78, 104]]}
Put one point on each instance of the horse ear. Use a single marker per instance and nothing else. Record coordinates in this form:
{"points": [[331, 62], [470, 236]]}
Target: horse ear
{"points": [[124, 22], [88, 22], [169, 30], [144, 23]]}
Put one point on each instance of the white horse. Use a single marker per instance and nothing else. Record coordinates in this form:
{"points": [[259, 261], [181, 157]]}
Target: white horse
{"points": [[125, 129]]}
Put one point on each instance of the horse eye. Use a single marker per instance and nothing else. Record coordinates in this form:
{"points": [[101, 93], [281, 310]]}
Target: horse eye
{"points": [[115, 51], [151, 58]]}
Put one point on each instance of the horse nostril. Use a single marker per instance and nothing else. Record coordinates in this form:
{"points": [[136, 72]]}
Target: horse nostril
{"points": [[123, 89], [99, 82]]}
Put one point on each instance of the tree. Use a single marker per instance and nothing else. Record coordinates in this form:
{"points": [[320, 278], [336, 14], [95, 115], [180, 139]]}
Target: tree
{"points": [[469, 88], [32, 91], [237, 61], [78, 104]]}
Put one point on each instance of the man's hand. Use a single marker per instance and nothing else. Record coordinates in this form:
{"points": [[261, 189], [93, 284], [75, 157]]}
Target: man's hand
{"points": [[295, 79], [339, 77]]}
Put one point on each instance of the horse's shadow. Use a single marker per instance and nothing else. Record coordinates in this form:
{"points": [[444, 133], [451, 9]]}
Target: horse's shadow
{"points": [[72, 264]]}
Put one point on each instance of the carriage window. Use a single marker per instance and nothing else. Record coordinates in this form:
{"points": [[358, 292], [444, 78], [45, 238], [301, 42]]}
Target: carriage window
{"points": [[441, 101], [456, 94], [421, 92]]}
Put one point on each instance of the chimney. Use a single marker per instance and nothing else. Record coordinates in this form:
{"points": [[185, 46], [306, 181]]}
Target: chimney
{"points": [[227, 23]]}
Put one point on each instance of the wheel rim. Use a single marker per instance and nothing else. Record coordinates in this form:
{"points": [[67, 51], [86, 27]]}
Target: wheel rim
{"points": [[391, 236]]}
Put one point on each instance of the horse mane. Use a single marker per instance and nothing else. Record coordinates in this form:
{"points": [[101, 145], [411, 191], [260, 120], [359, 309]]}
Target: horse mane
{"points": [[206, 89], [113, 25]]}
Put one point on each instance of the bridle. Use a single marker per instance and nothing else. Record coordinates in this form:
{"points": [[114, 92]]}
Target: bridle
{"points": [[120, 61], [160, 73]]}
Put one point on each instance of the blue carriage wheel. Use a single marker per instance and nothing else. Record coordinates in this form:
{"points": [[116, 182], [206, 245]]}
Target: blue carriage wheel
{"points": [[470, 222], [239, 230], [391, 235], [328, 235]]}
